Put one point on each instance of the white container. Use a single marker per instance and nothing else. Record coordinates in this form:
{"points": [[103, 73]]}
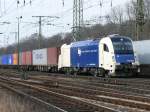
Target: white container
{"points": [[64, 57], [142, 49], [40, 57]]}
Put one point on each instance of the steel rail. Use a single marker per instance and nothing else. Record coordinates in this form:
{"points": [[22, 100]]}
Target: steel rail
{"points": [[101, 108]]}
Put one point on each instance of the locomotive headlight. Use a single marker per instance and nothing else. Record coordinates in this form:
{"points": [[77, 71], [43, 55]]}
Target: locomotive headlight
{"points": [[135, 57], [136, 60]]}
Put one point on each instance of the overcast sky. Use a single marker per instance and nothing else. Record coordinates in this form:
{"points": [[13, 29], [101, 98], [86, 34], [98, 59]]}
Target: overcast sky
{"points": [[29, 25]]}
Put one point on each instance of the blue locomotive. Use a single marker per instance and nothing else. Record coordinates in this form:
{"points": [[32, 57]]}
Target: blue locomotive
{"points": [[109, 56]]}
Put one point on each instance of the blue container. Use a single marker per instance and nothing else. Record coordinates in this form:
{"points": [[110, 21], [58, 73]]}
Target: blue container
{"points": [[10, 59], [85, 53], [5, 59], [1, 60]]}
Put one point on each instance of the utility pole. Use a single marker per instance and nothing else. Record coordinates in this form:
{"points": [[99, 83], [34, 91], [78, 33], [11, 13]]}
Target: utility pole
{"points": [[40, 26], [18, 46], [77, 19], [139, 18]]}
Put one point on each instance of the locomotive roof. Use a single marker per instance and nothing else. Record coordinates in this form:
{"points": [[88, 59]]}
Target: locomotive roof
{"points": [[118, 37], [85, 43]]}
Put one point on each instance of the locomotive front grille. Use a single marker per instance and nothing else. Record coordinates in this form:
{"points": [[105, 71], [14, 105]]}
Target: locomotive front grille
{"points": [[125, 66]]}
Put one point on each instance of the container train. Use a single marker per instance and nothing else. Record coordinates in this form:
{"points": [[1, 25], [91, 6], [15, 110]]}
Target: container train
{"points": [[108, 56]]}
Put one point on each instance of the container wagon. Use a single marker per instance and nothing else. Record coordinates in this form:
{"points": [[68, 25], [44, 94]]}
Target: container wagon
{"points": [[41, 60], [26, 60], [45, 59]]}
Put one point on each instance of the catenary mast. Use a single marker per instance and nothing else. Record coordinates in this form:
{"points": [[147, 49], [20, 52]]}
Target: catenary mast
{"points": [[77, 19], [139, 18]]}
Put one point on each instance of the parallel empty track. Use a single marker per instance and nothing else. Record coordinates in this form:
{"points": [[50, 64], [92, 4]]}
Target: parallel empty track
{"points": [[80, 94]]}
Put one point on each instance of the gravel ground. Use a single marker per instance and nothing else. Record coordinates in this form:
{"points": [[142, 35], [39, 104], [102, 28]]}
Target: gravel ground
{"points": [[11, 102]]}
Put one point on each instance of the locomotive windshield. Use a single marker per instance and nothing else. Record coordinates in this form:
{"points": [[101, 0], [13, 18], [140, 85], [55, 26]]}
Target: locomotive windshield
{"points": [[122, 45]]}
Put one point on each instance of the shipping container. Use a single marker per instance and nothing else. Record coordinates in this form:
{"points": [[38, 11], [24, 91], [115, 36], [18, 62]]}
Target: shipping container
{"points": [[52, 56], [5, 59], [15, 59], [142, 50], [28, 60], [10, 59], [1, 60], [143, 55], [40, 57], [85, 54], [23, 58], [20, 58]]}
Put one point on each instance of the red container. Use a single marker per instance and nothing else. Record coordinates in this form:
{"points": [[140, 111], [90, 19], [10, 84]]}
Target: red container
{"points": [[23, 58], [29, 58], [52, 56]]}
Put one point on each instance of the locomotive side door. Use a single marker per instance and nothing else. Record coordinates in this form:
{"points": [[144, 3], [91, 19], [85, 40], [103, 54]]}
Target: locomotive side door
{"points": [[104, 56]]}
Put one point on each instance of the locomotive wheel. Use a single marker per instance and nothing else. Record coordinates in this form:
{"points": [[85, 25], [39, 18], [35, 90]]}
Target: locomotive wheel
{"points": [[102, 72], [107, 75]]}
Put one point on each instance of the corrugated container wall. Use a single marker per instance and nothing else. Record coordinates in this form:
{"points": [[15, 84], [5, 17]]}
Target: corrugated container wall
{"points": [[10, 59], [142, 50], [1, 60], [40, 57], [15, 59], [52, 55], [4, 59], [23, 58], [20, 60], [28, 56]]}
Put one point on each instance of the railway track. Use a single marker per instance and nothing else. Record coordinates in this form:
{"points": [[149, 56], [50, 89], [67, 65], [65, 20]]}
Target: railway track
{"points": [[98, 83], [67, 102], [132, 85], [96, 95]]}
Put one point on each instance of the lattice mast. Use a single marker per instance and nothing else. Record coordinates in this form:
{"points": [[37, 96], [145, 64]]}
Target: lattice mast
{"points": [[77, 19], [139, 18]]}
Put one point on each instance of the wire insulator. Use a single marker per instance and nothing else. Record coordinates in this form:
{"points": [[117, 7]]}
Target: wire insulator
{"points": [[63, 3], [24, 2], [18, 2], [30, 2], [101, 3], [111, 3]]}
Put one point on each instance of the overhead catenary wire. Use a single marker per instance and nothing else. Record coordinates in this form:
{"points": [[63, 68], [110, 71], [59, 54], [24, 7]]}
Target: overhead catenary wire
{"points": [[40, 2], [9, 10], [62, 14]]}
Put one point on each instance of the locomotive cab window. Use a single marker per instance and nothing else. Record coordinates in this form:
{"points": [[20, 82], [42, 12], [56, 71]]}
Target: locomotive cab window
{"points": [[106, 48]]}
